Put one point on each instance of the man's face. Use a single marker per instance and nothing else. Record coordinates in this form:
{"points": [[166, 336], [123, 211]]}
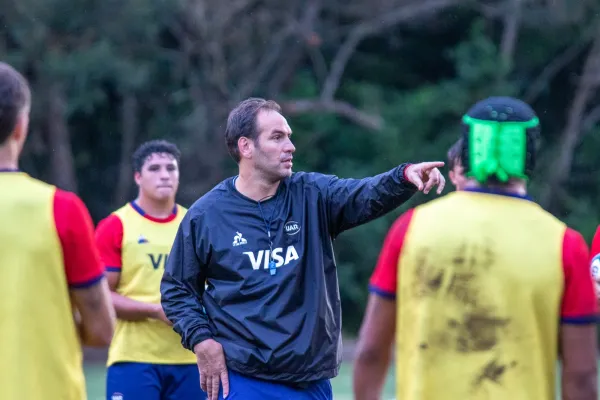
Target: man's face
{"points": [[159, 177], [272, 151], [457, 176]]}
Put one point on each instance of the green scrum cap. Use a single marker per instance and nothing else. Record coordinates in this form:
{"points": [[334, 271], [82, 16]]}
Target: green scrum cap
{"points": [[498, 140]]}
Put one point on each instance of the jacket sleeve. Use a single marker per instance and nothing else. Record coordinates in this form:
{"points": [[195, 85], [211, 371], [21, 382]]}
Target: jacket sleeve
{"points": [[352, 202], [182, 284]]}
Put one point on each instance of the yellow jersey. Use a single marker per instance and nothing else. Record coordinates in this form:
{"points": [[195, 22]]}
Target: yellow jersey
{"points": [[46, 249], [482, 282], [137, 246]]}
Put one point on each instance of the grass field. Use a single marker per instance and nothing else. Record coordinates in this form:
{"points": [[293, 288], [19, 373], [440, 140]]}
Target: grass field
{"points": [[342, 385]]}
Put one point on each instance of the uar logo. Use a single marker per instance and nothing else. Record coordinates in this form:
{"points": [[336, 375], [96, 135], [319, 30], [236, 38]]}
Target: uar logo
{"points": [[291, 227]]}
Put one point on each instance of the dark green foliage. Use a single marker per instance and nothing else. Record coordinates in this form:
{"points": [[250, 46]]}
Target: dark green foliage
{"points": [[168, 56]]}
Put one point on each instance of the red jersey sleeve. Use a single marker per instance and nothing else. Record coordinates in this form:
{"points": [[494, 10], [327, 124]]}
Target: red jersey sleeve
{"points": [[109, 236], [76, 233], [579, 304], [385, 276]]}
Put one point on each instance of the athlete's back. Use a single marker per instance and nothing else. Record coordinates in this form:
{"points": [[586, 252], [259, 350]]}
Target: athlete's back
{"points": [[480, 288], [51, 271], [40, 351]]}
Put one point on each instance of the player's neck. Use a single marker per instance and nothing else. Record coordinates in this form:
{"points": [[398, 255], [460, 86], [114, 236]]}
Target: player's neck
{"points": [[255, 186], [155, 209], [513, 186], [9, 159]]}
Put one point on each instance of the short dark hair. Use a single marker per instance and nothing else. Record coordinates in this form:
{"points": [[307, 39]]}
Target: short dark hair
{"points": [[455, 153], [15, 95], [242, 122], [145, 150]]}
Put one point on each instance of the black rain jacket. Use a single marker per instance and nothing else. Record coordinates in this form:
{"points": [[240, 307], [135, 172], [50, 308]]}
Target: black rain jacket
{"points": [[287, 326]]}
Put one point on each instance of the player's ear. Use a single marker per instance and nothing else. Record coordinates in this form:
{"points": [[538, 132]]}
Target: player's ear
{"points": [[245, 147], [452, 176], [137, 176], [20, 132]]}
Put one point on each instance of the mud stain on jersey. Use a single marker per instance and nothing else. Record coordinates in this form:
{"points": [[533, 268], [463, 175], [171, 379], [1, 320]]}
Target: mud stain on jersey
{"points": [[493, 372], [478, 331], [429, 279]]}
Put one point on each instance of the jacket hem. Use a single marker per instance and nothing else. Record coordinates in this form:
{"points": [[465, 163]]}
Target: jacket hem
{"points": [[283, 376]]}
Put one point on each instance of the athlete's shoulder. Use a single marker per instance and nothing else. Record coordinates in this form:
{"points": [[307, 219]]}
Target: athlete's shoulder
{"points": [[122, 211], [549, 220], [210, 200], [574, 247], [67, 201], [308, 178], [38, 183], [110, 223], [33, 190], [180, 213]]}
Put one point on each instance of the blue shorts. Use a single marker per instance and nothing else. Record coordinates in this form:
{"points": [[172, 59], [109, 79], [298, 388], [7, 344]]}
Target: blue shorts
{"points": [[131, 380], [246, 388]]}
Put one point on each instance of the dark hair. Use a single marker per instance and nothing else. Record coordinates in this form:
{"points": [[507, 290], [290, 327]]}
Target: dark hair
{"points": [[455, 154], [504, 109], [15, 95], [242, 122], [145, 150]]}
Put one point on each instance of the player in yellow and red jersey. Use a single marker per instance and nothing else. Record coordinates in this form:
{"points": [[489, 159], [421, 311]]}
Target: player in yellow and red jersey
{"points": [[482, 290], [146, 359], [50, 268]]}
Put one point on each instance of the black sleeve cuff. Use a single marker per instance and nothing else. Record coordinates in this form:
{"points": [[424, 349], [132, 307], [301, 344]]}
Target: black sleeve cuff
{"points": [[198, 336], [405, 182]]}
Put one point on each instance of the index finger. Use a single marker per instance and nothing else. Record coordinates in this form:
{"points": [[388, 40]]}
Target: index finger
{"points": [[431, 165]]}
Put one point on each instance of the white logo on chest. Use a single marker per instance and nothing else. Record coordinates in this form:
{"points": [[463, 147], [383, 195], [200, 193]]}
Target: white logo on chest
{"points": [[263, 256], [292, 227]]}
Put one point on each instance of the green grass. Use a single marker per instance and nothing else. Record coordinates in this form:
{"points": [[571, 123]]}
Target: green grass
{"points": [[342, 385]]}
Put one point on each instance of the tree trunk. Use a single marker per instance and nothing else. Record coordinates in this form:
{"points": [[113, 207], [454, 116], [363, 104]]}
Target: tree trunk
{"points": [[586, 88], [129, 129], [512, 21], [62, 165]]}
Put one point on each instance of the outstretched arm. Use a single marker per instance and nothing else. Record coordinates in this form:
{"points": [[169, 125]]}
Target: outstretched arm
{"points": [[352, 202]]}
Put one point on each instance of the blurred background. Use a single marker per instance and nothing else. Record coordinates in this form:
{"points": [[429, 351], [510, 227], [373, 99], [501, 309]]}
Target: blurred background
{"points": [[365, 84]]}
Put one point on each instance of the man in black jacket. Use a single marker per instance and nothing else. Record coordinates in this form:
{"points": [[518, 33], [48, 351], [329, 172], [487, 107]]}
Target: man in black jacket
{"points": [[251, 282]]}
